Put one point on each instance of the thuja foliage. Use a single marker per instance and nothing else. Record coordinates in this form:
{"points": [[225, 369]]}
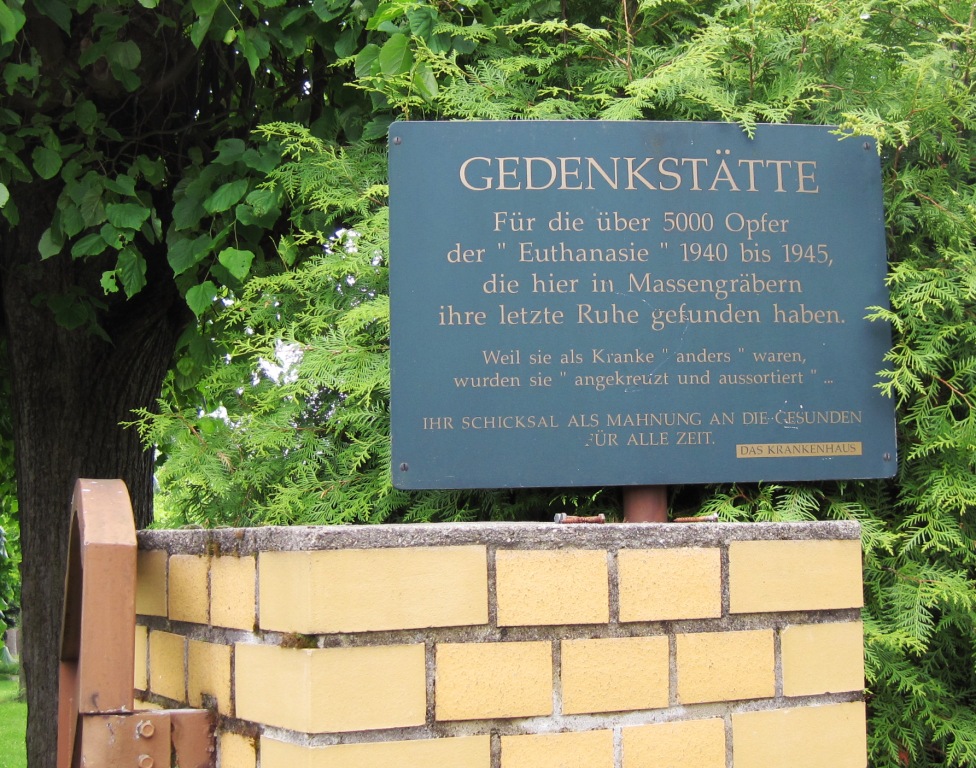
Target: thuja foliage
{"points": [[295, 426]]}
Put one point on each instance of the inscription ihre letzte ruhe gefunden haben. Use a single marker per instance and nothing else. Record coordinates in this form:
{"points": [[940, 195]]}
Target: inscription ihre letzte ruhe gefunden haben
{"points": [[632, 303]]}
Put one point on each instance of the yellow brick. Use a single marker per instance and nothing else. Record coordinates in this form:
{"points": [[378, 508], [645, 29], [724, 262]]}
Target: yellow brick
{"points": [[822, 658], [794, 575], [463, 752], [208, 672], [140, 678], [331, 689], [493, 680], [552, 587], [235, 751], [668, 584], [189, 591], [587, 749], [364, 590], [615, 674], [151, 582], [232, 592], [804, 737], [166, 670], [725, 666], [682, 744]]}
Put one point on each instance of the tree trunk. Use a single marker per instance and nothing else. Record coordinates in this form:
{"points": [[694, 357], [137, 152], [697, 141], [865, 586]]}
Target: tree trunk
{"points": [[71, 389]]}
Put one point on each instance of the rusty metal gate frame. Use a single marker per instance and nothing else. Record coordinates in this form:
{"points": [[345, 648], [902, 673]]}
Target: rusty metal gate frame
{"points": [[97, 721]]}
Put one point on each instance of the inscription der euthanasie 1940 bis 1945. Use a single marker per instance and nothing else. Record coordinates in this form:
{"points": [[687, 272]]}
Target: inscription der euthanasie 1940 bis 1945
{"points": [[583, 293]]}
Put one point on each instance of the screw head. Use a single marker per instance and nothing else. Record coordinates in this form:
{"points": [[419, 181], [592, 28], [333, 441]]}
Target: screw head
{"points": [[145, 729], [145, 761]]}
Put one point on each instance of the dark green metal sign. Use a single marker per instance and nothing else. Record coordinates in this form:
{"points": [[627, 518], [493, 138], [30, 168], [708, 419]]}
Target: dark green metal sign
{"points": [[594, 303]]}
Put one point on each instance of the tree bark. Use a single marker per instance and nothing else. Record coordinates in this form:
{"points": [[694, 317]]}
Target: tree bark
{"points": [[70, 391]]}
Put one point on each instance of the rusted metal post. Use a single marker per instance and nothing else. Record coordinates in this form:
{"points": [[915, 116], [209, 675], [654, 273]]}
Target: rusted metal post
{"points": [[646, 504], [97, 724], [562, 517], [99, 610]]}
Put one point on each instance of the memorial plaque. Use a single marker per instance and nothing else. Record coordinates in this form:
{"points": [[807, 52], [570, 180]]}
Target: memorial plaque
{"points": [[605, 303]]}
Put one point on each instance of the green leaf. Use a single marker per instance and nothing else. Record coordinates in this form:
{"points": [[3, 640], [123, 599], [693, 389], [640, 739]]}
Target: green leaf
{"points": [[200, 297], [70, 311], [365, 60], [205, 10], [108, 282], [185, 253], [107, 22], [48, 246], [187, 212], [347, 43], [463, 45], [377, 128], [57, 11], [126, 215], [86, 115], [46, 162], [386, 12], [122, 184], [327, 10], [71, 220], [422, 19], [116, 238], [11, 22], [179, 254], [153, 171], [263, 201], [204, 7], [131, 269], [14, 72], [93, 52], [90, 202], [249, 50], [294, 16], [246, 215], [91, 244], [237, 262], [262, 160], [129, 79], [124, 54], [226, 196], [255, 47], [395, 56], [424, 82], [229, 151], [4, 194]]}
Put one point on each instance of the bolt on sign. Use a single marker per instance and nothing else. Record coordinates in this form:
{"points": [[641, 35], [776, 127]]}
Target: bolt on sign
{"points": [[632, 303]]}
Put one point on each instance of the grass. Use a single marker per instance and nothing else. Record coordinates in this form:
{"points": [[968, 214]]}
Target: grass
{"points": [[13, 724]]}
